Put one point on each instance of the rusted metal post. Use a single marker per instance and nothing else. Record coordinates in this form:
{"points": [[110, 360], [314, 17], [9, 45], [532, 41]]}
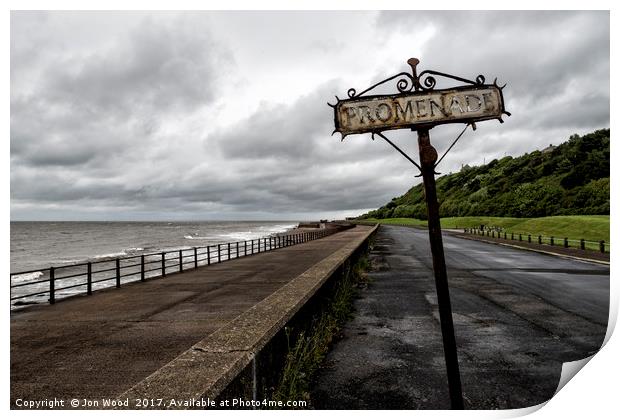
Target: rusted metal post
{"points": [[428, 157]]}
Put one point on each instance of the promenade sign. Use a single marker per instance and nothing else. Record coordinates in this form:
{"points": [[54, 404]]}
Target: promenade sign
{"points": [[410, 110], [419, 106]]}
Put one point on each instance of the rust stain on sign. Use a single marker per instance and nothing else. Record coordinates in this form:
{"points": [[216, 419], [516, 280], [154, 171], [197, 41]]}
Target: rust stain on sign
{"points": [[415, 109]]}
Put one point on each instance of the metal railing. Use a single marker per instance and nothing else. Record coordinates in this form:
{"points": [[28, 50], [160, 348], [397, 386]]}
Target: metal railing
{"points": [[68, 280], [582, 244]]}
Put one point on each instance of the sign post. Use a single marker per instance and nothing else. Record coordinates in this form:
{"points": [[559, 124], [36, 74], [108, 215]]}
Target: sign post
{"points": [[419, 106]]}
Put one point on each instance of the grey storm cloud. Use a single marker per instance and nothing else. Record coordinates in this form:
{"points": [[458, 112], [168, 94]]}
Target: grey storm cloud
{"points": [[128, 115], [92, 103]]}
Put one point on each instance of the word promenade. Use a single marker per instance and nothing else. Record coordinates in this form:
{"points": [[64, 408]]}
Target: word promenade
{"points": [[418, 109]]}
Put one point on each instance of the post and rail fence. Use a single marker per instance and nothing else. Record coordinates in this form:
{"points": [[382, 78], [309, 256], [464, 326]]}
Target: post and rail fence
{"points": [[80, 278], [565, 242], [499, 233]]}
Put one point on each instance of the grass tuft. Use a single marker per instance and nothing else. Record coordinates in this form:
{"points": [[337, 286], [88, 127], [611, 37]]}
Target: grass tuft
{"points": [[308, 348]]}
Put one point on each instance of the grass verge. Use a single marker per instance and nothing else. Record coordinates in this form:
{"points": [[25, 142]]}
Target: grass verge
{"points": [[590, 228]]}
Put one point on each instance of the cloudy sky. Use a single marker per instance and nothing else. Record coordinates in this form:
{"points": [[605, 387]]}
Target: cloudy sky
{"points": [[223, 115]]}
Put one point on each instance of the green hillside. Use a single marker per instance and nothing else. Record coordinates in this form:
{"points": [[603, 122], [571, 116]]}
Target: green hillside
{"points": [[570, 179]]}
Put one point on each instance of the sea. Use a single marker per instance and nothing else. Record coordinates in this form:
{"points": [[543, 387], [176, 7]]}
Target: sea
{"points": [[36, 246]]}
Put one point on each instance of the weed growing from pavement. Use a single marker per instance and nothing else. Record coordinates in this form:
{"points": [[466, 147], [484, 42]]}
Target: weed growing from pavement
{"points": [[308, 348]]}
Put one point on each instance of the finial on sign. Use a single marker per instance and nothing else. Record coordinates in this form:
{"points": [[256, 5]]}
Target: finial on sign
{"points": [[413, 62]]}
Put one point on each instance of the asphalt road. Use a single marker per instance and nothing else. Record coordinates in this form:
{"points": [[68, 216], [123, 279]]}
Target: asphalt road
{"points": [[518, 316]]}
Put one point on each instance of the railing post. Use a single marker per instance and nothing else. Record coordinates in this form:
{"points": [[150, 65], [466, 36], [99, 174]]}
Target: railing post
{"points": [[163, 264], [602, 246], [265, 244], [219, 252], [529, 238], [258, 243], [180, 260], [245, 248], [89, 278], [208, 254], [237, 250], [565, 242], [551, 240], [582, 244], [52, 298], [539, 239], [520, 237], [195, 257], [493, 234], [512, 236], [118, 273], [142, 268], [228, 256]]}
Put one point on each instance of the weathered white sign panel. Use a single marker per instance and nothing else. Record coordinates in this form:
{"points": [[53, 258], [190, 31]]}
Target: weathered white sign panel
{"points": [[410, 110]]}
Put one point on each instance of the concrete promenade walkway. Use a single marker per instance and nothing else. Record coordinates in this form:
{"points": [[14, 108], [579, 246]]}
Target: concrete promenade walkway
{"points": [[99, 346]]}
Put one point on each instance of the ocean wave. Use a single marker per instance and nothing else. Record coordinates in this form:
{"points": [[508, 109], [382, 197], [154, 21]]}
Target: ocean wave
{"points": [[110, 255], [195, 237], [28, 276], [135, 249], [259, 232]]}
